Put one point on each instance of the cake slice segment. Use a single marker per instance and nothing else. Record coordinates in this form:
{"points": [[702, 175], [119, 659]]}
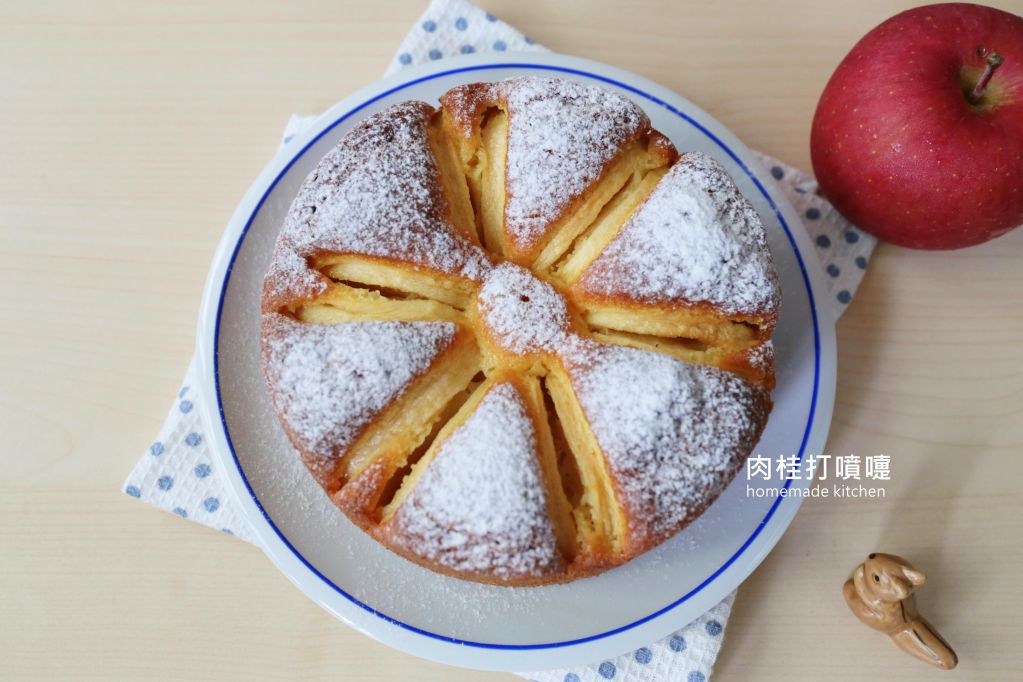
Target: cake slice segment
{"points": [[365, 288], [566, 147], [478, 503], [398, 279], [598, 234], [391, 190], [351, 302], [692, 262], [600, 521], [671, 435], [484, 154], [360, 396], [755, 364]]}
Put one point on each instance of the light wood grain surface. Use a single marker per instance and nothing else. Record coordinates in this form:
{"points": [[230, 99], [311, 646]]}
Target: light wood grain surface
{"points": [[130, 130]]}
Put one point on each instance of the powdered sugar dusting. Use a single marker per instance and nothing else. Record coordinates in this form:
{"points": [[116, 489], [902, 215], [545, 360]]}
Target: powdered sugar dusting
{"points": [[674, 434], [695, 239], [329, 381], [561, 135], [761, 356], [523, 313], [377, 193], [467, 104], [480, 506]]}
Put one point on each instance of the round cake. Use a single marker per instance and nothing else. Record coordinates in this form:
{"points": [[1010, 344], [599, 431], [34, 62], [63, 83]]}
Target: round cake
{"points": [[519, 338]]}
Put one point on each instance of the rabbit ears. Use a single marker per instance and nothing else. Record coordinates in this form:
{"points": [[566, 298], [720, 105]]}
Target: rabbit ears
{"points": [[893, 565], [914, 576]]}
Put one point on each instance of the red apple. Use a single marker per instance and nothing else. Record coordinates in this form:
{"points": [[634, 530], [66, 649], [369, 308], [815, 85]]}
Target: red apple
{"points": [[918, 137]]}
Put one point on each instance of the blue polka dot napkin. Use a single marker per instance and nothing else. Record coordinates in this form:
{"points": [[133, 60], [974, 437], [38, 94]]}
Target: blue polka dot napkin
{"points": [[176, 473]]}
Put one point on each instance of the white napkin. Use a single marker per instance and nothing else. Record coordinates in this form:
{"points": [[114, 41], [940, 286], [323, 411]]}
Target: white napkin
{"points": [[177, 473]]}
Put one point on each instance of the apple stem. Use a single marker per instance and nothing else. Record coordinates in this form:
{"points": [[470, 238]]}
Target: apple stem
{"points": [[994, 60]]}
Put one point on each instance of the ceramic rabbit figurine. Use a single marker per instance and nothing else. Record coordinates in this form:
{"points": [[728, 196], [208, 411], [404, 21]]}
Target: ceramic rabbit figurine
{"points": [[880, 593]]}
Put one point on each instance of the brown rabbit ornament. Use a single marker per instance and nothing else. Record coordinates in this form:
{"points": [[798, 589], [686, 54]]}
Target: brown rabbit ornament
{"points": [[880, 593]]}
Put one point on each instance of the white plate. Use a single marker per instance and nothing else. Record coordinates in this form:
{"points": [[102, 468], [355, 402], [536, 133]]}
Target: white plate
{"points": [[459, 622]]}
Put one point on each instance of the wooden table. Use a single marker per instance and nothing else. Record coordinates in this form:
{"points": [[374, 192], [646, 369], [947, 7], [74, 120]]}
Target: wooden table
{"points": [[130, 132]]}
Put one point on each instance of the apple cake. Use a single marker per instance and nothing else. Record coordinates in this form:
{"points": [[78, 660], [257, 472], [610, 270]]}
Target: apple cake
{"points": [[518, 338]]}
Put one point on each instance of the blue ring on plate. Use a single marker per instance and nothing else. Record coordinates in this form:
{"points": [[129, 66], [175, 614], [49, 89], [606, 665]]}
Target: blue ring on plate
{"points": [[581, 640]]}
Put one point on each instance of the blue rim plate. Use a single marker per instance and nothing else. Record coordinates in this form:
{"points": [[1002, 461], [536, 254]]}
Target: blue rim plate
{"points": [[454, 621]]}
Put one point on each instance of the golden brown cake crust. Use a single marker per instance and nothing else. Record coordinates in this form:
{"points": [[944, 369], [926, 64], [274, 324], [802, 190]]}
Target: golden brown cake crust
{"points": [[496, 334]]}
